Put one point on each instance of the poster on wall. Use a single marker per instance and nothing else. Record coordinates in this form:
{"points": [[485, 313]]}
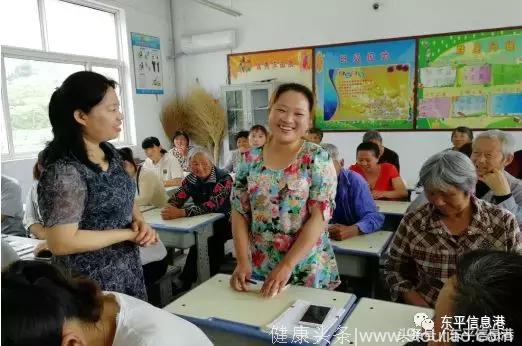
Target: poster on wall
{"points": [[148, 68], [291, 65], [470, 79], [365, 86]]}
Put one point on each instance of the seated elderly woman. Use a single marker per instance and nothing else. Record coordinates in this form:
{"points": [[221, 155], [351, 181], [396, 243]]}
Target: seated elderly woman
{"points": [[383, 178], [209, 187], [428, 241]]}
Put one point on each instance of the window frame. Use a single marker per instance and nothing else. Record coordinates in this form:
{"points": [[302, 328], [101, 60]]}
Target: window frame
{"points": [[121, 63]]}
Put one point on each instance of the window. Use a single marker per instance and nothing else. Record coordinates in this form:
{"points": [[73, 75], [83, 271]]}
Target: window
{"points": [[36, 60]]}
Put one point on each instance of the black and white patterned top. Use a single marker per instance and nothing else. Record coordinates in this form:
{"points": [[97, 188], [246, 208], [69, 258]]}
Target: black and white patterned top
{"points": [[71, 192]]}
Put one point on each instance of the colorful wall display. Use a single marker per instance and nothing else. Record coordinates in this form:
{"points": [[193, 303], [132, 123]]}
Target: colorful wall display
{"points": [[291, 65], [470, 79], [365, 86], [148, 68]]}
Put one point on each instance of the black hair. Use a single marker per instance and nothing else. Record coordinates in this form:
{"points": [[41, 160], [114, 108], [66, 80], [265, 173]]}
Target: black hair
{"points": [[466, 149], [241, 134], [37, 299], [260, 128], [463, 129], [80, 91], [126, 154], [488, 283], [316, 131], [151, 142], [38, 165], [181, 133], [369, 146], [304, 90]]}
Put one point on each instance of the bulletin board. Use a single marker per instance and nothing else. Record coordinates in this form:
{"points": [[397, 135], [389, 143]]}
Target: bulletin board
{"points": [[365, 86], [148, 68], [470, 79], [288, 65]]}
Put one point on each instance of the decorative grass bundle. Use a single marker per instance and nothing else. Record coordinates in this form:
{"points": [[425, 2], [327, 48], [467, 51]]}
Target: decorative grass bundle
{"points": [[198, 114]]}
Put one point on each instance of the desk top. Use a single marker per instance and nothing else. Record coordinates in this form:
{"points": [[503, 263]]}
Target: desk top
{"points": [[372, 315], [392, 207], [23, 246], [215, 304], [184, 224], [372, 244]]}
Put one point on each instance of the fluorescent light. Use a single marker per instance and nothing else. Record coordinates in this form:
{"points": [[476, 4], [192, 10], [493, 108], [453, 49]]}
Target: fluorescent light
{"points": [[219, 7]]}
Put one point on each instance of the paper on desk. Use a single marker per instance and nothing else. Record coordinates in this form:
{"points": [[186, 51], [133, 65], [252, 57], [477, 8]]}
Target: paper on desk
{"points": [[259, 284], [290, 320]]}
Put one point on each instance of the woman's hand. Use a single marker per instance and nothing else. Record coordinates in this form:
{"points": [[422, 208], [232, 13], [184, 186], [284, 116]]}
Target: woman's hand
{"points": [[145, 235], [240, 277], [276, 280]]}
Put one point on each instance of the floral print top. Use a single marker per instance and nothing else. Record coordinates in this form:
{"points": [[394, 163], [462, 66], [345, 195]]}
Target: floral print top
{"points": [[277, 204]]}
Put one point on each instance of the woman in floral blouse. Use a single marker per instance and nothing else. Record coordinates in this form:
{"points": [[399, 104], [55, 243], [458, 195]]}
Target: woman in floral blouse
{"points": [[282, 199]]}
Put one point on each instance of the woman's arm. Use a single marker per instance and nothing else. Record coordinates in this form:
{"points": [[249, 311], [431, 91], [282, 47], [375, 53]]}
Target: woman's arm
{"points": [[399, 189]]}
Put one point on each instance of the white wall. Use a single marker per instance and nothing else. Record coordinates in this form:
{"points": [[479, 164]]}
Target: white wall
{"points": [[151, 17], [273, 24]]}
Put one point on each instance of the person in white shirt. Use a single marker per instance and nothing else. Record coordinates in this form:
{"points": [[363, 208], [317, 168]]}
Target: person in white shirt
{"points": [[63, 311], [32, 217], [165, 165]]}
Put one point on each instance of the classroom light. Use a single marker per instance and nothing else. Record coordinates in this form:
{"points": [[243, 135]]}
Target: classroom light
{"points": [[219, 7]]}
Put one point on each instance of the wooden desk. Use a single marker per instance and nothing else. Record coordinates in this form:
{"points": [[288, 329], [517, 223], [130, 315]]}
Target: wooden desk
{"points": [[240, 318], [23, 246], [185, 232], [359, 256], [392, 207], [371, 315]]}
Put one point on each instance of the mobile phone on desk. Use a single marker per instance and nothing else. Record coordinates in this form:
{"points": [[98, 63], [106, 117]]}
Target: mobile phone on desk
{"points": [[314, 316]]}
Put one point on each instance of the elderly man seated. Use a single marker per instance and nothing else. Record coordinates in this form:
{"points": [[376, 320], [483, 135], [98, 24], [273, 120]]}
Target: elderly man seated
{"points": [[428, 241], [355, 210], [210, 189], [492, 151]]}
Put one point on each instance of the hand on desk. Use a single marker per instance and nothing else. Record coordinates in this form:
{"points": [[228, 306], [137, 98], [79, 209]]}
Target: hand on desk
{"points": [[379, 194], [240, 277], [170, 212], [341, 232], [145, 235], [276, 280]]}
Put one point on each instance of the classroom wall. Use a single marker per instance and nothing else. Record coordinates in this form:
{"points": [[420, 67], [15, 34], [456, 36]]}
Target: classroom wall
{"points": [[273, 24], [151, 17]]}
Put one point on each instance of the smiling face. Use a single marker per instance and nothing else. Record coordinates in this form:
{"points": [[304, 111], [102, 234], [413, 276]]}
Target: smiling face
{"points": [[256, 138], [487, 156], [367, 160], [180, 142], [104, 120], [289, 117], [459, 139], [200, 166]]}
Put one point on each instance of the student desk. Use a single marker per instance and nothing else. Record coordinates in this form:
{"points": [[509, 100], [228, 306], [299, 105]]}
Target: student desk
{"points": [[392, 207], [371, 315], [23, 246], [359, 256], [240, 318], [144, 208], [185, 232]]}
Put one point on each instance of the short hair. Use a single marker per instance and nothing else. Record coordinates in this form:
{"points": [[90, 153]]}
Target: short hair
{"points": [[463, 129], [38, 295], [446, 169], [200, 150], [506, 140], [299, 88], [466, 149], [369, 146], [181, 133], [372, 135], [126, 154], [259, 128], [316, 131], [241, 134], [332, 150], [488, 283], [151, 142]]}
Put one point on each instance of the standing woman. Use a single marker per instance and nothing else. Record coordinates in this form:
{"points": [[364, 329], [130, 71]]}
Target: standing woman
{"points": [[282, 199], [86, 198]]}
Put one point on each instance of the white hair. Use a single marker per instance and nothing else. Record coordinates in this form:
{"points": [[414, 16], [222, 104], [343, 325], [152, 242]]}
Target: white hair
{"points": [[332, 150], [200, 150], [506, 140], [446, 169]]}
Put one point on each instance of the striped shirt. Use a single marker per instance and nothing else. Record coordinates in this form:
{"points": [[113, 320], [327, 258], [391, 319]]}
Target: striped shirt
{"points": [[424, 253]]}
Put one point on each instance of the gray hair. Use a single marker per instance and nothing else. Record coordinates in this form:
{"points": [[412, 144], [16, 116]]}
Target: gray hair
{"points": [[506, 140], [332, 150], [372, 135], [200, 150], [446, 169]]}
